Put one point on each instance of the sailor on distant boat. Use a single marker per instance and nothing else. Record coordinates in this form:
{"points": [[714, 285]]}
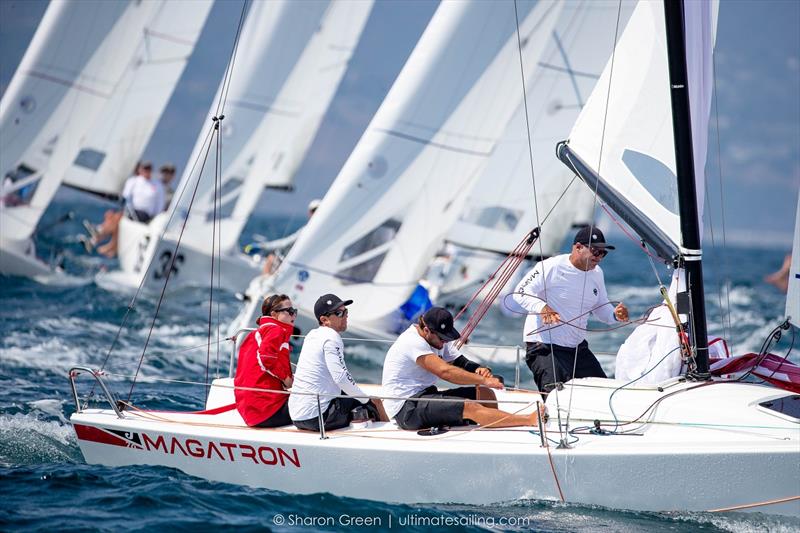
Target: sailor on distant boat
{"points": [[321, 370], [421, 356], [264, 364], [559, 293], [144, 199]]}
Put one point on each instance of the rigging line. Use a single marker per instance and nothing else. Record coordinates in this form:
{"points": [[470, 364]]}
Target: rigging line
{"points": [[755, 504], [135, 296], [213, 247], [219, 245], [785, 357], [611, 396], [226, 80], [170, 268], [597, 184], [533, 182], [721, 198]]}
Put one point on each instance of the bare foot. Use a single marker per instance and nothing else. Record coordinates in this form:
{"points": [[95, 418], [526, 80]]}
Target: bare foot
{"points": [[780, 279]]}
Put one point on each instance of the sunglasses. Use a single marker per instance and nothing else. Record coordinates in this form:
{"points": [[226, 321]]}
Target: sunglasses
{"points": [[340, 313], [597, 252], [291, 310]]}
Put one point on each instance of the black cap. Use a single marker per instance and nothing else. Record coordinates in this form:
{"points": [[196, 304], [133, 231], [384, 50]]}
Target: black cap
{"points": [[591, 236], [328, 303], [440, 321]]}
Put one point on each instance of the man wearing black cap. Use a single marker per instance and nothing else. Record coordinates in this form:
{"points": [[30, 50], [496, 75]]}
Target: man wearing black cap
{"points": [[559, 293], [422, 355], [321, 370]]}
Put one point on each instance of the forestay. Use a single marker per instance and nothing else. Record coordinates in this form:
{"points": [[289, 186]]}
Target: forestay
{"points": [[501, 207], [289, 62], [406, 181], [116, 140], [624, 134], [75, 60]]}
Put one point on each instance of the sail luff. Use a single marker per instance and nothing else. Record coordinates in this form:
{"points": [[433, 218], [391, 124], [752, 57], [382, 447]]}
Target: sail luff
{"points": [[793, 290]]}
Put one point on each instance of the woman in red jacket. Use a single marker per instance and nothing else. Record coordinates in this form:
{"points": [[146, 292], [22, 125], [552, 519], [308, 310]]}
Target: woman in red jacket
{"points": [[264, 364]]}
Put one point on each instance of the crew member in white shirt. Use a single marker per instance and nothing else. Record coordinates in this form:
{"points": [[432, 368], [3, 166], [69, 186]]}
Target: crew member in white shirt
{"points": [[559, 293], [424, 354], [321, 370], [143, 195]]}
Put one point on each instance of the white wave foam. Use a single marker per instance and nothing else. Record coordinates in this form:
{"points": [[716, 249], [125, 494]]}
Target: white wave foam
{"points": [[28, 440]]}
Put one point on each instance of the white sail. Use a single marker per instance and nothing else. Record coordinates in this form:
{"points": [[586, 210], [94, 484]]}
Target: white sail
{"points": [[74, 62], [502, 208], [793, 292], [116, 140], [291, 58], [624, 133], [407, 179]]}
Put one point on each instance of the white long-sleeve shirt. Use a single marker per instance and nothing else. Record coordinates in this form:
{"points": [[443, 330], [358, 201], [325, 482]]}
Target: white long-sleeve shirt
{"points": [[568, 291], [144, 194], [321, 370]]}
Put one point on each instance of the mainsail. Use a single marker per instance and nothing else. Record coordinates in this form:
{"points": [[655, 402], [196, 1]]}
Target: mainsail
{"points": [[622, 142], [406, 181], [290, 60], [70, 70], [117, 138]]}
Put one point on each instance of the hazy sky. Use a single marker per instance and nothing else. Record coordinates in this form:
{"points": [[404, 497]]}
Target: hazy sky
{"points": [[757, 104]]}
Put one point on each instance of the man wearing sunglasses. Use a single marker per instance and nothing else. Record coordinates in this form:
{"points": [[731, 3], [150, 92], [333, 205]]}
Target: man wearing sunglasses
{"points": [[559, 293], [321, 370], [420, 357]]}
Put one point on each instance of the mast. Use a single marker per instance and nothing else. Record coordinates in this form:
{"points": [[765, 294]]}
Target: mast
{"points": [[690, 251]]}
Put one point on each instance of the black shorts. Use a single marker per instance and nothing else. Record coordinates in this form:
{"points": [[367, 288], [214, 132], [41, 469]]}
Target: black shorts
{"points": [[279, 418], [338, 415], [421, 414], [548, 370], [141, 216]]}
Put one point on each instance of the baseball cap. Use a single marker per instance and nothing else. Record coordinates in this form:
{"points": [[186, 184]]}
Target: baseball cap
{"points": [[591, 236], [440, 321], [328, 303]]}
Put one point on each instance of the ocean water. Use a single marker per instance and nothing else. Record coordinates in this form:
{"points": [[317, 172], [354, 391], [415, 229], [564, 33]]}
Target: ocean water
{"points": [[45, 330]]}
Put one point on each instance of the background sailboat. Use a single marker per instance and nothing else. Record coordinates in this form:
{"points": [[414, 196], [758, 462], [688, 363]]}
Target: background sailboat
{"points": [[76, 59], [406, 181], [115, 141], [502, 206], [290, 59]]}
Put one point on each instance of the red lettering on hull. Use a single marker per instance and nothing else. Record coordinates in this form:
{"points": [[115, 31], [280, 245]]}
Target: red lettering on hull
{"points": [[264, 455]]}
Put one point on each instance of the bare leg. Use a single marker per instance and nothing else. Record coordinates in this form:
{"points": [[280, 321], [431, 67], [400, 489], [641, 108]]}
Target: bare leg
{"points": [[488, 395], [381, 410], [780, 279], [499, 419], [109, 249]]}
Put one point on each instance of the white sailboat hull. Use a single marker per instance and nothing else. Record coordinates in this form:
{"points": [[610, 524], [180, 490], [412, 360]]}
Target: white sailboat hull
{"points": [[141, 245], [679, 463], [18, 258]]}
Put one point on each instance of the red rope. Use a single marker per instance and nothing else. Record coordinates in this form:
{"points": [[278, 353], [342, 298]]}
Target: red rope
{"points": [[498, 281]]}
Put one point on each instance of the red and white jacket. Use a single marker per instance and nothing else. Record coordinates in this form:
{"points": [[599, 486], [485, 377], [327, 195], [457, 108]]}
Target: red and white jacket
{"points": [[263, 364]]}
